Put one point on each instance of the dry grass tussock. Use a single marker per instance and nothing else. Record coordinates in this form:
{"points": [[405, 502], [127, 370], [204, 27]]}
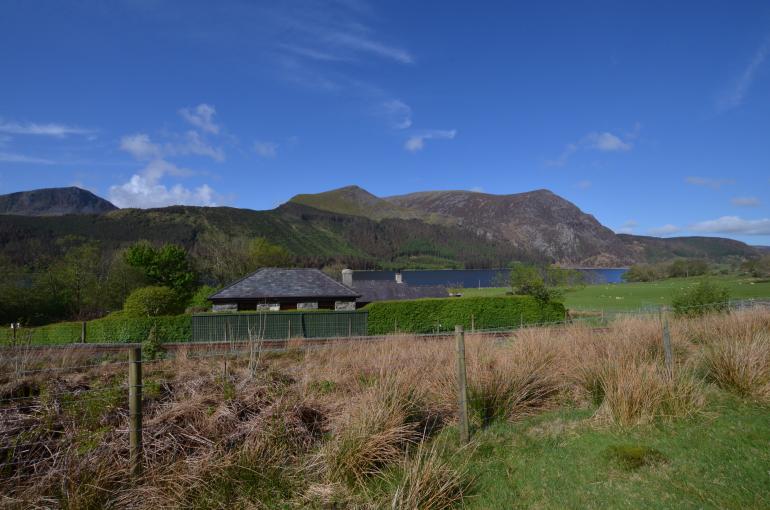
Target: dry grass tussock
{"points": [[348, 425]]}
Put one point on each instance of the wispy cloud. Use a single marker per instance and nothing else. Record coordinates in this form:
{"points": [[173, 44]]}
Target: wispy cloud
{"points": [[627, 227], [202, 117], [140, 146], [266, 149], [417, 142], [735, 96], [9, 157], [584, 184], [665, 230], [47, 129], [708, 182], [399, 113], [598, 141], [143, 148], [363, 44], [733, 225], [745, 201]]}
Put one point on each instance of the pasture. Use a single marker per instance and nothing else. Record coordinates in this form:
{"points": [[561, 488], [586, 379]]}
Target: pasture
{"points": [[633, 296]]}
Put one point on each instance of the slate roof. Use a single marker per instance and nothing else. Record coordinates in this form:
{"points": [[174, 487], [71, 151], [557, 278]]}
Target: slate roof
{"points": [[270, 282], [386, 290]]}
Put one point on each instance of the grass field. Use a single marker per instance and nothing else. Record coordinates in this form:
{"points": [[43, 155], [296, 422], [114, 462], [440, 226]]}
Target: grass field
{"points": [[561, 460], [631, 296]]}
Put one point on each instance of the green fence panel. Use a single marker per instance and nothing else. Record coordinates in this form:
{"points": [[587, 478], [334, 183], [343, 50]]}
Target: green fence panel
{"points": [[224, 327]]}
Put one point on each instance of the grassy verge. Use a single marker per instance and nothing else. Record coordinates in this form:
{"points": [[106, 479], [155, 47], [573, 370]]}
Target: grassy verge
{"points": [[560, 460], [630, 296]]}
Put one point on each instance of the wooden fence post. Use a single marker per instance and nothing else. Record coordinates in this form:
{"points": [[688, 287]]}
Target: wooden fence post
{"points": [[473, 323], [83, 332], [669, 356], [135, 409], [462, 395]]}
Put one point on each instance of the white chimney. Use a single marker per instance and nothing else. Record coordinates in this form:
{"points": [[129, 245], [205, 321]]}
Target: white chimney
{"points": [[399, 278], [347, 277]]}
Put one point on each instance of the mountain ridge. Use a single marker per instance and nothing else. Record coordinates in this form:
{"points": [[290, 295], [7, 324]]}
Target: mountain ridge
{"points": [[54, 202], [452, 228]]}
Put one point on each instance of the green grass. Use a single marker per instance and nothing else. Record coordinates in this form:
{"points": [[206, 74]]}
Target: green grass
{"points": [[562, 460], [631, 296]]}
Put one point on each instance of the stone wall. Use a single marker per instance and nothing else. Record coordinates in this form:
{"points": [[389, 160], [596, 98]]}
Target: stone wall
{"points": [[345, 306]]}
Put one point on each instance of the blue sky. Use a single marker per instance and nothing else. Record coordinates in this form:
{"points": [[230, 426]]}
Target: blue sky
{"points": [[652, 116]]}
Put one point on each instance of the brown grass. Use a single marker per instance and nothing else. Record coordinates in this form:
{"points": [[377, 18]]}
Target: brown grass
{"points": [[320, 427], [741, 365]]}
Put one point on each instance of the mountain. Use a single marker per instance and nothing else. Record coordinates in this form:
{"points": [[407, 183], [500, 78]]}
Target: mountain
{"points": [[314, 236], [536, 222], [354, 201], [54, 202], [440, 229], [659, 249]]}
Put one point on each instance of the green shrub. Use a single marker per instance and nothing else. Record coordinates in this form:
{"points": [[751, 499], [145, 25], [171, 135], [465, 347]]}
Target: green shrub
{"points": [[705, 297], [427, 315], [200, 299], [115, 328], [151, 302]]}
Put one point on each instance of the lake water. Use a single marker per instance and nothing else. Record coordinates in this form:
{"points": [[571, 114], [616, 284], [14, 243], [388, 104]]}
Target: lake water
{"points": [[477, 277]]}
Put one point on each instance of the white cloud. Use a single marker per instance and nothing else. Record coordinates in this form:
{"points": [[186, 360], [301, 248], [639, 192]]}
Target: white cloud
{"points": [[9, 157], [363, 44], [708, 182], [665, 230], [145, 189], [202, 117], [477, 189], [733, 225], [627, 227], [143, 148], [144, 193], [140, 146], [48, 129], [584, 184], [607, 142], [603, 142], [417, 142], [745, 201], [195, 144], [266, 149], [399, 113], [740, 88]]}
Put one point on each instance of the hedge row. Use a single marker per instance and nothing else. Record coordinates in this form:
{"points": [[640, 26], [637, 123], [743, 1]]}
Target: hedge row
{"points": [[115, 328], [428, 315]]}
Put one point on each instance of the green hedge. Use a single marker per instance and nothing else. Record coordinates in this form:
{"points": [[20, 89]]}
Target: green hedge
{"points": [[428, 315], [110, 329]]}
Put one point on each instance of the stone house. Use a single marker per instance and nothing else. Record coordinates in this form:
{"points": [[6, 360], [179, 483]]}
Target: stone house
{"points": [[285, 289]]}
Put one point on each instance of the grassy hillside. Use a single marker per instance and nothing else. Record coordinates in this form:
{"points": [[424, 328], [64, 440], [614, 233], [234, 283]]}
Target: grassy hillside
{"points": [[314, 237]]}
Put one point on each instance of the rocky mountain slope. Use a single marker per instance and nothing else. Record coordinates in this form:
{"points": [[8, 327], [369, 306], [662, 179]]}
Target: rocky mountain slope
{"points": [[54, 202], [537, 222]]}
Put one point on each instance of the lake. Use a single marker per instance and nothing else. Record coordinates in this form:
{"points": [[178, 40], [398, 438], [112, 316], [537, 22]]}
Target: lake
{"points": [[477, 277]]}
